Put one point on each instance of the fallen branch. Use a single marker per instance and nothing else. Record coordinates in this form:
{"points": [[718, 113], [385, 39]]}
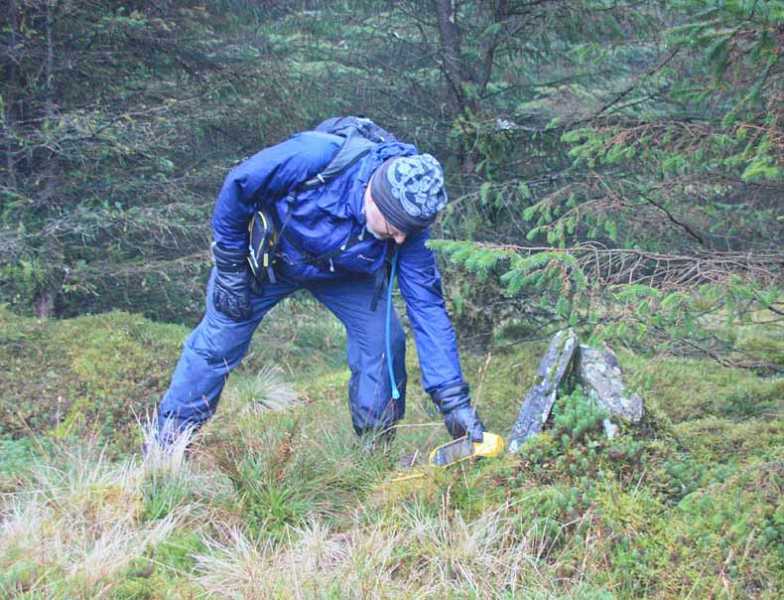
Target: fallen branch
{"points": [[613, 266]]}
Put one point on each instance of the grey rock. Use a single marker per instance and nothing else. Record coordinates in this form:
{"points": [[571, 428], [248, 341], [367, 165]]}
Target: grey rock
{"points": [[600, 375], [540, 398]]}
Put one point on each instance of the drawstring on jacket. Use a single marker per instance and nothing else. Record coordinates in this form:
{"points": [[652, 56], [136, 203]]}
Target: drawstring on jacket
{"points": [[388, 326]]}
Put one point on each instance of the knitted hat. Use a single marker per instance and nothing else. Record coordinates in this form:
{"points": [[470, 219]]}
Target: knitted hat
{"points": [[409, 191]]}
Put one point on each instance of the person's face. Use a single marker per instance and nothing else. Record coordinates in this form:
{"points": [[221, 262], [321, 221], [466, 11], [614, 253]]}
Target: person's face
{"points": [[377, 224]]}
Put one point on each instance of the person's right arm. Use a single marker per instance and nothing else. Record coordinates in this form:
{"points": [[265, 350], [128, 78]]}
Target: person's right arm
{"points": [[257, 183], [264, 178]]}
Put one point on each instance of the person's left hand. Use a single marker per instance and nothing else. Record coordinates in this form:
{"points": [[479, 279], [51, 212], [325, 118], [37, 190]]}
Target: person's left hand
{"points": [[460, 417], [464, 421]]}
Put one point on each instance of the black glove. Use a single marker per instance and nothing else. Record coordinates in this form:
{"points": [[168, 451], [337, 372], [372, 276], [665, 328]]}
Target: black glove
{"points": [[232, 282], [460, 417]]}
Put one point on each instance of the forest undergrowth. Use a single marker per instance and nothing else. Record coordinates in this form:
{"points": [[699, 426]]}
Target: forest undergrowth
{"points": [[277, 498]]}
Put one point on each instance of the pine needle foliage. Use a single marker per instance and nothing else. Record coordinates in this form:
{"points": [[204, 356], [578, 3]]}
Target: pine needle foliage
{"points": [[631, 211]]}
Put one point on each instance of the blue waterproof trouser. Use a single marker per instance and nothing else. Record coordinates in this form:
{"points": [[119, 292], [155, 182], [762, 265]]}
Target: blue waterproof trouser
{"points": [[218, 344]]}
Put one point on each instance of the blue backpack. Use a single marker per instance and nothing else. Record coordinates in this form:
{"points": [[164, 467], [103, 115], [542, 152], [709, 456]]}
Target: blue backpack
{"points": [[359, 135]]}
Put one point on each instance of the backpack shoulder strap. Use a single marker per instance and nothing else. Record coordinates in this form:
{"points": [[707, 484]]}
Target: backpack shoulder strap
{"points": [[353, 149]]}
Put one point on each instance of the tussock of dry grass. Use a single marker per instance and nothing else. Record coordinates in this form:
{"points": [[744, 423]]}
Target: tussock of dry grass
{"points": [[81, 521], [267, 390], [164, 459], [422, 556]]}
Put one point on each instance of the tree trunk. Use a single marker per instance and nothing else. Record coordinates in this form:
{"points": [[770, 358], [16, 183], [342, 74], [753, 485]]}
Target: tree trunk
{"points": [[10, 98], [44, 302], [451, 63]]}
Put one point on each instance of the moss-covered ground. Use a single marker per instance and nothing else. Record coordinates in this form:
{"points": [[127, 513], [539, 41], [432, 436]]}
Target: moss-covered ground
{"points": [[278, 499]]}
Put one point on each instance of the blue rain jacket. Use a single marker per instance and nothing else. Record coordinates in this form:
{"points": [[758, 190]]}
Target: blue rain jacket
{"points": [[321, 220]]}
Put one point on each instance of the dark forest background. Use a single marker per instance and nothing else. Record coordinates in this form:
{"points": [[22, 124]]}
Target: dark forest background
{"points": [[614, 165]]}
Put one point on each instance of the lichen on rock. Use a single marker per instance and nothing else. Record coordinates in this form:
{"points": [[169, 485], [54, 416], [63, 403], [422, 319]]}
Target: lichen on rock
{"points": [[540, 398], [600, 374]]}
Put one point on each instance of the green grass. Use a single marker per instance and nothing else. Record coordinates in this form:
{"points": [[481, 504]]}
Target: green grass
{"points": [[279, 498]]}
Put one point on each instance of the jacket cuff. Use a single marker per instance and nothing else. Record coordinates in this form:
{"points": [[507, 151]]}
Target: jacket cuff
{"points": [[451, 397], [229, 260]]}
